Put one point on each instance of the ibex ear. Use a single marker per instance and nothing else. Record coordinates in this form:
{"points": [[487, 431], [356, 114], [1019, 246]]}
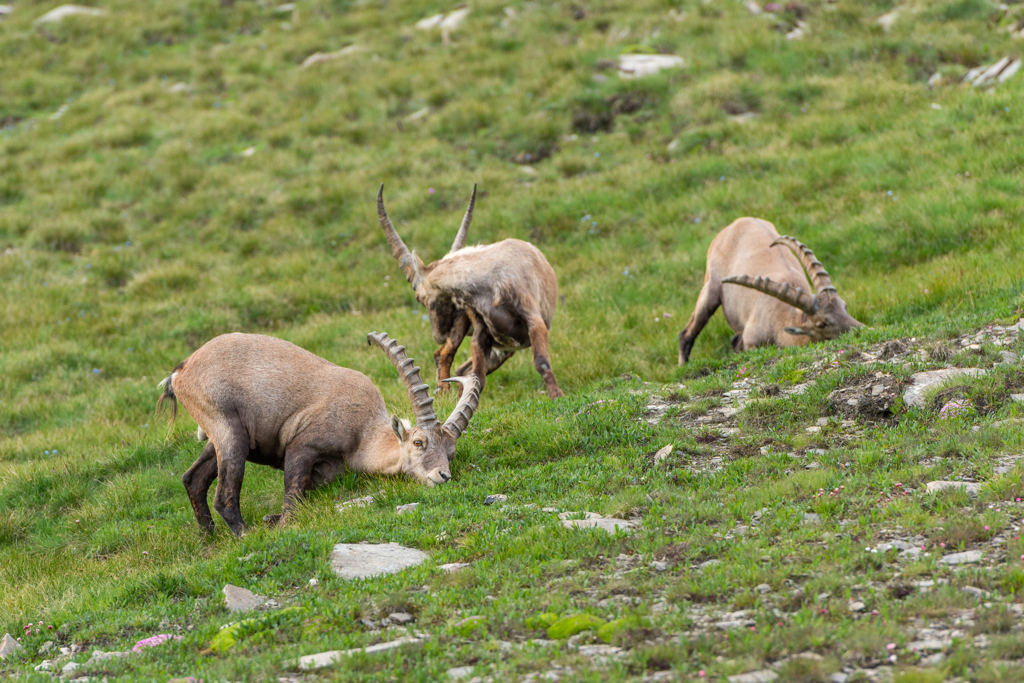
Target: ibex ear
{"points": [[797, 331], [398, 425]]}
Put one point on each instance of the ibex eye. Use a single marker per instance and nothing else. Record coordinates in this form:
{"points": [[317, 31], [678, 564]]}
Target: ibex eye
{"points": [[417, 443]]}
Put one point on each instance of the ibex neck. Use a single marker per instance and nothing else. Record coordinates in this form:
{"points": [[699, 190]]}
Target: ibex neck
{"points": [[379, 452]]}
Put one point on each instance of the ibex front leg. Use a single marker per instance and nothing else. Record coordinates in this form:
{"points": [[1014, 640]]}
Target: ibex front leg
{"points": [[445, 355], [298, 475]]}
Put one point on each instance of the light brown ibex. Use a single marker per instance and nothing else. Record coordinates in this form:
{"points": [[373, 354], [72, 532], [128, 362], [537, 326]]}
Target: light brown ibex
{"points": [[505, 291], [782, 309], [264, 400]]}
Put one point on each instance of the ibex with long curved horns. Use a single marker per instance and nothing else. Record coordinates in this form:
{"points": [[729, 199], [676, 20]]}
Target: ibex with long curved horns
{"points": [[505, 291], [782, 309], [267, 401]]}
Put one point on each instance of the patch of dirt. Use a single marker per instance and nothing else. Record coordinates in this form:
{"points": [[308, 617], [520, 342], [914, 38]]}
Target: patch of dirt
{"points": [[674, 554], [869, 398], [893, 349]]}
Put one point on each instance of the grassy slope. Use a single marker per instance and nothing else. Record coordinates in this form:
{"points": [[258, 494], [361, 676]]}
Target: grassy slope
{"points": [[136, 230]]}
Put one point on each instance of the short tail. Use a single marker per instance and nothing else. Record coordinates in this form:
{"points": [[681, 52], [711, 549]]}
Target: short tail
{"points": [[168, 386]]}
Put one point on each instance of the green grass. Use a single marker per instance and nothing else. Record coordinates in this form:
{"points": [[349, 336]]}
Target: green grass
{"points": [[132, 230]]}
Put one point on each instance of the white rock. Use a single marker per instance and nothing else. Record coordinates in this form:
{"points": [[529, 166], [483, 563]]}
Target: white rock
{"points": [[495, 498], [248, 151], [663, 453], [453, 567], [933, 660], [887, 20], [179, 88], [452, 20], [609, 524], [856, 606], [322, 659], [99, 656], [972, 488], [5, 10], [69, 668], [599, 650], [459, 672], [407, 508], [364, 560], [763, 676], [433, 21], [354, 503], [922, 381], [1009, 357], [637, 66], [969, 557], [659, 566], [318, 57], [401, 617], [1019, 398], [241, 600], [287, 7], [45, 665], [64, 11], [8, 646], [763, 588], [753, 7], [313, 583], [417, 115]]}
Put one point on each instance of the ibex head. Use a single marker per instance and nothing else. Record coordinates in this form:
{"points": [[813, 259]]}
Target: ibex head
{"points": [[412, 266], [824, 314], [427, 448]]}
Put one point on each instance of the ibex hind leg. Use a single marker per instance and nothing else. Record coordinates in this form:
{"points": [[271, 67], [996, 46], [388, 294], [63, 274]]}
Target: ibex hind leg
{"points": [[707, 303], [197, 482], [541, 358], [231, 459]]}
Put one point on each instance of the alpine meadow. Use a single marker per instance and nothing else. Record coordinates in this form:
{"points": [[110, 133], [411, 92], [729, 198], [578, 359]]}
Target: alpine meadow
{"points": [[840, 512]]}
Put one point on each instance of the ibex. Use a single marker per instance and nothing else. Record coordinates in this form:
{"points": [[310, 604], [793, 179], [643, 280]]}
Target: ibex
{"points": [[267, 401], [505, 291], [792, 314]]}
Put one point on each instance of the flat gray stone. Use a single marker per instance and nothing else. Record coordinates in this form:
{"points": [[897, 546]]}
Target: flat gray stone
{"points": [[930, 645], [923, 381], [8, 646], [812, 518], [453, 567], [401, 617], [1019, 398], [586, 515], [354, 503], [364, 560], [495, 498], [972, 488], [856, 606], [459, 672], [609, 524], [241, 600], [322, 659], [969, 557], [763, 676]]}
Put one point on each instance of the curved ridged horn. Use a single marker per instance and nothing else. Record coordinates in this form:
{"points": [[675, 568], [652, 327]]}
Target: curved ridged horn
{"points": [[795, 297], [817, 273], [406, 260], [422, 403], [460, 417], [460, 236]]}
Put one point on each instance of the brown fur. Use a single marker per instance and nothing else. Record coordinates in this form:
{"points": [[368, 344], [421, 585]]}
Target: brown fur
{"points": [[267, 401], [506, 292], [745, 248]]}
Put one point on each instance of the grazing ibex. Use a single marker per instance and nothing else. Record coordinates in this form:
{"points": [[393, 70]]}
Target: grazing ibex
{"points": [[792, 314], [506, 291], [267, 401]]}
